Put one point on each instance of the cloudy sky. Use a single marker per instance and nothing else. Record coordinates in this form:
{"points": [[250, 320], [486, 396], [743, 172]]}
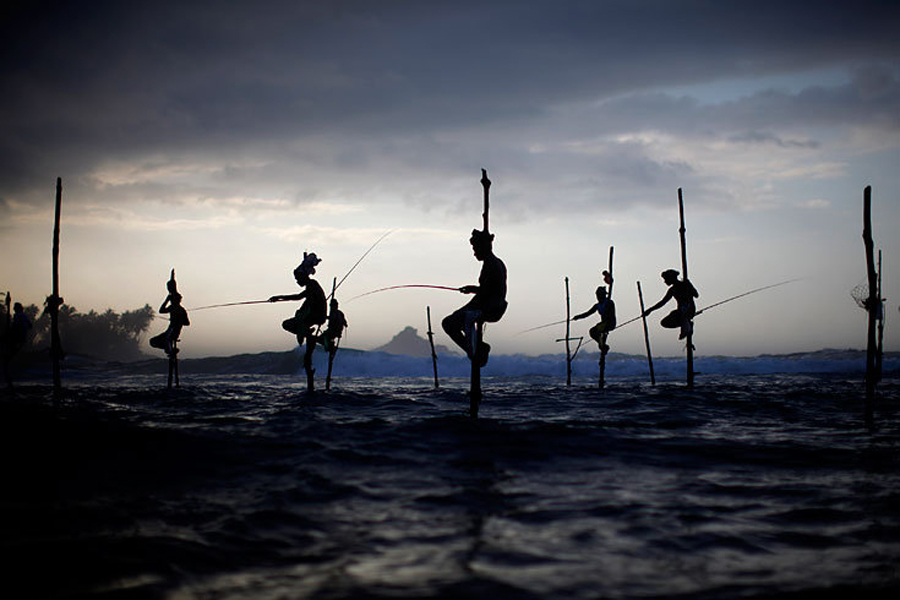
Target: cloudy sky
{"points": [[224, 139]]}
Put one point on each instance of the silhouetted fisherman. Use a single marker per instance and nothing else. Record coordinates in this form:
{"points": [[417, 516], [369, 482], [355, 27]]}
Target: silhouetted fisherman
{"points": [[178, 318], [311, 314], [337, 322], [489, 302], [684, 293], [606, 308], [15, 339]]}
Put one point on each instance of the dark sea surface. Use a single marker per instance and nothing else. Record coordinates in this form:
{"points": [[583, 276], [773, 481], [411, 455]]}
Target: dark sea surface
{"points": [[247, 487]]}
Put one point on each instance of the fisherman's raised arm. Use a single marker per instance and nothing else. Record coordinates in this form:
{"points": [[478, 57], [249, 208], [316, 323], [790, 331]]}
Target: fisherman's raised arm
{"points": [[585, 314], [661, 303]]}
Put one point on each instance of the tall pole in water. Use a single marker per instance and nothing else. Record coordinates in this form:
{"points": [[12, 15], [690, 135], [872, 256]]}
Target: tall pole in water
{"points": [[55, 301], [871, 303], [603, 336], [879, 355], [568, 336], [332, 350], [646, 334], [684, 270], [475, 383], [431, 342]]}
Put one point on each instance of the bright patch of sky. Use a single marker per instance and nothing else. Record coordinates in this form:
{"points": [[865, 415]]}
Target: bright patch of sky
{"points": [[731, 89]]}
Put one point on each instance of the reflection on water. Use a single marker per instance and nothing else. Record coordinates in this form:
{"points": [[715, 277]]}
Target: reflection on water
{"points": [[247, 487]]}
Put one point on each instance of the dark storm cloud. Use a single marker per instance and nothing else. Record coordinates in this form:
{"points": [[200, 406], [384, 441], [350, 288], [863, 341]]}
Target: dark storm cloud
{"points": [[91, 82]]}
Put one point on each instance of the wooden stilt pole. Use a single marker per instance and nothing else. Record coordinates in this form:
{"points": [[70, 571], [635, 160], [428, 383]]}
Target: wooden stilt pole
{"points": [[646, 335], [173, 366], [604, 348], [5, 339], [333, 350], [475, 382], [871, 303], [486, 185], [879, 354], [568, 337], [431, 342], [173, 354], [684, 269], [55, 300]]}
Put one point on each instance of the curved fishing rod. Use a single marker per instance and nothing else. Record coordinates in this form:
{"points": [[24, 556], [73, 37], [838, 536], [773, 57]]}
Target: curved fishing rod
{"points": [[542, 327], [413, 285], [356, 264], [229, 304], [726, 300], [705, 308], [767, 287]]}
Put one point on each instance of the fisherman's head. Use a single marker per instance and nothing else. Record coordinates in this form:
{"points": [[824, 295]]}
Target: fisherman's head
{"points": [[175, 298], [333, 304], [17, 307], [306, 268], [482, 243], [670, 276], [601, 293]]}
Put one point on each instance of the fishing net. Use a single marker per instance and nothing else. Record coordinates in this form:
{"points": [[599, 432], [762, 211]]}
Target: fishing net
{"points": [[860, 295]]}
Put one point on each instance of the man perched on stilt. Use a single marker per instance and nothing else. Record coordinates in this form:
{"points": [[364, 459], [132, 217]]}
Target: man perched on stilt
{"points": [[684, 293], [337, 322], [487, 306], [310, 315], [178, 318], [606, 308]]}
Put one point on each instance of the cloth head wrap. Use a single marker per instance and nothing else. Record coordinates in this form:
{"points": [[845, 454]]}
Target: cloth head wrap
{"points": [[308, 266]]}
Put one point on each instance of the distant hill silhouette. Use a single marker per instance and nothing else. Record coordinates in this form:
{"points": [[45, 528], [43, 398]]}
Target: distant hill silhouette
{"points": [[408, 343]]}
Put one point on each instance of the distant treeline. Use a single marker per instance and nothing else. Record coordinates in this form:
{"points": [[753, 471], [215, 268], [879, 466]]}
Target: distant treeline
{"points": [[108, 335]]}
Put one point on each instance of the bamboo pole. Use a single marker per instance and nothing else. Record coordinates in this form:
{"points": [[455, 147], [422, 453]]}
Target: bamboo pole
{"points": [[475, 380], [873, 293], [646, 334], [431, 343], [55, 300], [684, 270], [879, 354], [601, 383], [331, 351], [173, 355], [486, 184], [6, 338], [173, 366], [568, 336]]}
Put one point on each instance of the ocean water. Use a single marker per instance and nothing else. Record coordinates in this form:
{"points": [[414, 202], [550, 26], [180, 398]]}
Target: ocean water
{"points": [[244, 486]]}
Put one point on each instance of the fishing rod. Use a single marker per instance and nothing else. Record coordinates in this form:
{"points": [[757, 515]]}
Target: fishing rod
{"points": [[230, 304], [767, 287], [356, 264], [334, 289], [705, 308], [721, 302], [413, 285]]}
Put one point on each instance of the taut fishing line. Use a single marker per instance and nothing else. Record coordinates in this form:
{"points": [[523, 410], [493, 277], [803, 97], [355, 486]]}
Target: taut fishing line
{"points": [[344, 278], [705, 308], [412, 285]]}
